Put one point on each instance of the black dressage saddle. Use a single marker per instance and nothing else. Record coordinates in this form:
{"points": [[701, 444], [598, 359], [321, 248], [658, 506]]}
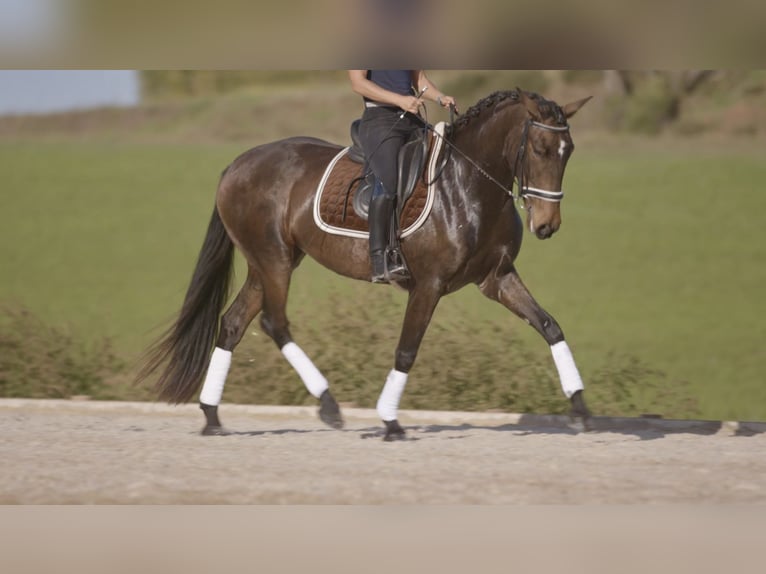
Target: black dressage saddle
{"points": [[410, 165]]}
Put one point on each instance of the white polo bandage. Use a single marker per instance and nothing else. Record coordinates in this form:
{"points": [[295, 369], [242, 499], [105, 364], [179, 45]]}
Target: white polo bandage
{"points": [[314, 380], [220, 361], [568, 373], [388, 403]]}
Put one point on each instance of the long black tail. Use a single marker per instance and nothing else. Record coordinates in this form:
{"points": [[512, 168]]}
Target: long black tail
{"points": [[187, 343]]}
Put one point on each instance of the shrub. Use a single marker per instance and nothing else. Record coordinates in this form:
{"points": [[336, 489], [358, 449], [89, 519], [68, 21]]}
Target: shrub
{"points": [[462, 365], [41, 361]]}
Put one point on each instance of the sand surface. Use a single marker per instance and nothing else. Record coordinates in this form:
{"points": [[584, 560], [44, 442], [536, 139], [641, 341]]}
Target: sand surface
{"points": [[68, 452]]}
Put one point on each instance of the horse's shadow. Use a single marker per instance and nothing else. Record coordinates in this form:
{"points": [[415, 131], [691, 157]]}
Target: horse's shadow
{"points": [[364, 433], [643, 429], [276, 432], [522, 430]]}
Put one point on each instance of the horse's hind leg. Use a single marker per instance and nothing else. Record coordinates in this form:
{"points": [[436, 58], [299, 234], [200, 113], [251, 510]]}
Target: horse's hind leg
{"points": [[275, 324], [233, 326], [508, 289]]}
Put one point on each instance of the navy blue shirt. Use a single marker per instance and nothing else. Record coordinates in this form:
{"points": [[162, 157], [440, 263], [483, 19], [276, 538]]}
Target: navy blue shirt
{"points": [[397, 81]]}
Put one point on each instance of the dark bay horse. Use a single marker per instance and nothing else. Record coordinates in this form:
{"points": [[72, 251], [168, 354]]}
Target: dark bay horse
{"points": [[473, 234]]}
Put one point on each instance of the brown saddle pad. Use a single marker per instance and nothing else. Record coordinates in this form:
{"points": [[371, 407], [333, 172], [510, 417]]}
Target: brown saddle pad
{"points": [[331, 203]]}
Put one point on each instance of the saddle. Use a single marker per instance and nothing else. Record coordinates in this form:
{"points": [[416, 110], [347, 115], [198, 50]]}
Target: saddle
{"points": [[410, 165], [342, 199]]}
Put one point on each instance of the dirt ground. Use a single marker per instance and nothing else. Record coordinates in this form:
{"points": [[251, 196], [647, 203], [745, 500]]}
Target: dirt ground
{"points": [[70, 452]]}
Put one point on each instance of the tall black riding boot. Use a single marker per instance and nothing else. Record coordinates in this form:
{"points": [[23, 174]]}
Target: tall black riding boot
{"points": [[379, 219], [379, 216]]}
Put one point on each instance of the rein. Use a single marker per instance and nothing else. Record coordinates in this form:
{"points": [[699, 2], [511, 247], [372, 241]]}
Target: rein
{"points": [[524, 190]]}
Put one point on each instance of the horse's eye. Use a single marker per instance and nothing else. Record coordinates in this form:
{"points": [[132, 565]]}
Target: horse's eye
{"points": [[539, 151]]}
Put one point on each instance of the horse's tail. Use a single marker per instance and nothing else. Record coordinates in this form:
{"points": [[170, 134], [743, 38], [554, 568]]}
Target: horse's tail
{"points": [[187, 343]]}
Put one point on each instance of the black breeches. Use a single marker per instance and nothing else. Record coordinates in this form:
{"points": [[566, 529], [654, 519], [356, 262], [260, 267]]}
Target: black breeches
{"points": [[382, 135]]}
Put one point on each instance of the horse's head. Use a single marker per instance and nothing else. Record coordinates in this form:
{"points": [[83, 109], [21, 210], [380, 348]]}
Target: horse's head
{"points": [[543, 151]]}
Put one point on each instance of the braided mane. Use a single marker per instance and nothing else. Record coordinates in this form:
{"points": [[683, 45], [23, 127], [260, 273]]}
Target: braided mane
{"points": [[548, 108]]}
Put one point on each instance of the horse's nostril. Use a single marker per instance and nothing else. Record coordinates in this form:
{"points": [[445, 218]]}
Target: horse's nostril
{"points": [[544, 231]]}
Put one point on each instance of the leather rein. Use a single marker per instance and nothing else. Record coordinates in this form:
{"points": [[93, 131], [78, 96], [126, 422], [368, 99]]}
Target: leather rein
{"points": [[525, 190]]}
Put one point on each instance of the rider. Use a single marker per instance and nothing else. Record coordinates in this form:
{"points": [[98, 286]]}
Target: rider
{"points": [[384, 129]]}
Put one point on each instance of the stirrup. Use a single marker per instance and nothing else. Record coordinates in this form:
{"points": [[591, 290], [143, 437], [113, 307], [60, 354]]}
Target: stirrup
{"points": [[396, 269], [378, 267]]}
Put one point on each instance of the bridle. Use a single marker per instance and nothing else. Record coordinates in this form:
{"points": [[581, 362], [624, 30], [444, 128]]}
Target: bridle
{"points": [[518, 166]]}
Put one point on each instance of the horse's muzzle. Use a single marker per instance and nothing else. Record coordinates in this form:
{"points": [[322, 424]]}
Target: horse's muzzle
{"points": [[545, 231]]}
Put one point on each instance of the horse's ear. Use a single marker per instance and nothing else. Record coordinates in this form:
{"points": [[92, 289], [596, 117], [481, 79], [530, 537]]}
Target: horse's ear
{"points": [[571, 108], [530, 104]]}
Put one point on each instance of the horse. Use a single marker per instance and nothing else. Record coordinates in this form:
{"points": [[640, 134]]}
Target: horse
{"points": [[263, 207]]}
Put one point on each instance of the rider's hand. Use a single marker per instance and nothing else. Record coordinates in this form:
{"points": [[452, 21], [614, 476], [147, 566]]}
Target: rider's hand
{"points": [[446, 101], [410, 104]]}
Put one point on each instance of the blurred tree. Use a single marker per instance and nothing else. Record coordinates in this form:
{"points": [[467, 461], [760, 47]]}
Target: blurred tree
{"points": [[647, 101], [173, 83]]}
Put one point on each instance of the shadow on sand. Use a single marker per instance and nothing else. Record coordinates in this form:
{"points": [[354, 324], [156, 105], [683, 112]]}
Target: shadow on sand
{"points": [[641, 428]]}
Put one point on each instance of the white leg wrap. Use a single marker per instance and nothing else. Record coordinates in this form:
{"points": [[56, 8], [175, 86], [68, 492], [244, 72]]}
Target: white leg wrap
{"points": [[220, 361], [388, 403], [568, 373], [309, 374]]}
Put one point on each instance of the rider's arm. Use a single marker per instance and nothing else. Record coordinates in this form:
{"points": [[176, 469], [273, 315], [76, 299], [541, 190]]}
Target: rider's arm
{"points": [[433, 93], [364, 87]]}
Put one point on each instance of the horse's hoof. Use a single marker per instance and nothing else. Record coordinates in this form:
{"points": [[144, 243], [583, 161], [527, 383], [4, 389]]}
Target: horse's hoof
{"points": [[214, 430], [392, 437], [580, 415], [579, 424], [329, 411], [394, 431], [579, 421]]}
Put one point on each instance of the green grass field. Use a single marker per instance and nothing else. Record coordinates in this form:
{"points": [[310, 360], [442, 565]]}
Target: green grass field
{"points": [[660, 258]]}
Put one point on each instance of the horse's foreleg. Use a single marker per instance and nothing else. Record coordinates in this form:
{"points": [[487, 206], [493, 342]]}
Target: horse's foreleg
{"points": [[233, 325], [275, 324], [420, 308], [509, 290]]}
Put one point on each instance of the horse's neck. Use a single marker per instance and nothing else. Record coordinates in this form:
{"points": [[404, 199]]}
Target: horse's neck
{"points": [[489, 144]]}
